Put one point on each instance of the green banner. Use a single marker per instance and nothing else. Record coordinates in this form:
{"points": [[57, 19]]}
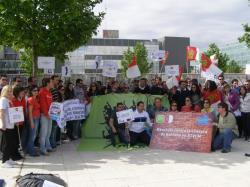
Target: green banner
{"points": [[103, 106]]}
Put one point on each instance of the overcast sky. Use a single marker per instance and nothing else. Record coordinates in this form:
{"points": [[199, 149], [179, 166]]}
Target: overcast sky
{"points": [[204, 21]]}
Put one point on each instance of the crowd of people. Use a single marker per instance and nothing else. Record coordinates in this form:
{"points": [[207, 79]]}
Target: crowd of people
{"points": [[228, 104]]}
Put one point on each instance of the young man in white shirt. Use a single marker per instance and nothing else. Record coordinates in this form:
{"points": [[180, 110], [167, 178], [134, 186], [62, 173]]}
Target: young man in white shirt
{"points": [[137, 129]]}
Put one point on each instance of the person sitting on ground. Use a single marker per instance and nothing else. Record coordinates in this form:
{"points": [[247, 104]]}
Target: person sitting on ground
{"points": [[227, 129], [120, 129], [208, 110], [137, 130], [156, 108]]}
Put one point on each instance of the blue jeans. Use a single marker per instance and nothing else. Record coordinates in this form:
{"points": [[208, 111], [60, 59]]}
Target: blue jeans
{"points": [[45, 131], [32, 136], [224, 140], [53, 134]]}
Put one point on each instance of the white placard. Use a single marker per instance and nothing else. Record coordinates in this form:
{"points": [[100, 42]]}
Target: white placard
{"points": [[247, 72], [109, 69], [48, 71], [46, 62], [158, 55], [208, 76], [171, 82], [66, 71], [172, 70], [125, 116], [16, 114], [214, 70]]}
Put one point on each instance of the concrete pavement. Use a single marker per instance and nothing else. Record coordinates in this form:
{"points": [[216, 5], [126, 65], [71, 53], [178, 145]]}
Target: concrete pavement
{"points": [[140, 168]]}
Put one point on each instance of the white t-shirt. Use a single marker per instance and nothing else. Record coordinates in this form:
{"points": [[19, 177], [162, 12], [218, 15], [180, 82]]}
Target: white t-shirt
{"points": [[5, 105], [138, 125]]}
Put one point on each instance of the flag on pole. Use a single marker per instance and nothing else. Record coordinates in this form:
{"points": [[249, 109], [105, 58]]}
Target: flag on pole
{"points": [[208, 67], [165, 59], [192, 53], [133, 70]]}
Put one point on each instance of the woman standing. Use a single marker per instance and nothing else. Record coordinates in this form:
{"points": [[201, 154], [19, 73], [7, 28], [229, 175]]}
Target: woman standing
{"points": [[196, 97], [245, 111], [34, 119], [8, 145], [188, 107]]}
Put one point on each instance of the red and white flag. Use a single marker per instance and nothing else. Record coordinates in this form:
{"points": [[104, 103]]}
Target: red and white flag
{"points": [[208, 67], [192, 53], [133, 70]]}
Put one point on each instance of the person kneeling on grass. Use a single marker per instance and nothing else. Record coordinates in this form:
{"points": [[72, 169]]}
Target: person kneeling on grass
{"points": [[137, 130], [227, 129]]}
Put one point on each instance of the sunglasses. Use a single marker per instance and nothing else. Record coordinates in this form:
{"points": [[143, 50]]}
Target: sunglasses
{"points": [[174, 105], [35, 90], [187, 100], [4, 79], [206, 102]]}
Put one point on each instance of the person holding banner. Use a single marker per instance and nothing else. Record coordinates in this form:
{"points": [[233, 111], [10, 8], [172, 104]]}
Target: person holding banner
{"points": [[137, 130], [7, 128], [156, 108], [45, 97], [34, 119]]}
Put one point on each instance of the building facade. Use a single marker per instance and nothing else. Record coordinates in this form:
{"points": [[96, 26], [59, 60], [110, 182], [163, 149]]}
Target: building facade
{"points": [[238, 52]]}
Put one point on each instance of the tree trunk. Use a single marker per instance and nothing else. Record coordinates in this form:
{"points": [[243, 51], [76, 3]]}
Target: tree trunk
{"points": [[34, 56]]}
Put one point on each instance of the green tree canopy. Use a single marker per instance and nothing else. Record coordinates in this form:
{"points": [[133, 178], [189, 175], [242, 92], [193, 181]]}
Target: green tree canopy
{"points": [[48, 27], [141, 55], [246, 36]]}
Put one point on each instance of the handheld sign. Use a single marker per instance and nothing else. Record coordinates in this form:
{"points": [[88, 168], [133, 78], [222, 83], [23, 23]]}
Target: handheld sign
{"points": [[46, 62], [109, 69], [172, 70], [125, 116], [16, 114]]}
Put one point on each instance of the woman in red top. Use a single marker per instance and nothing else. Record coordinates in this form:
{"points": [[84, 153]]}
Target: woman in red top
{"points": [[34, 119], [188, 105], [19, 101]]}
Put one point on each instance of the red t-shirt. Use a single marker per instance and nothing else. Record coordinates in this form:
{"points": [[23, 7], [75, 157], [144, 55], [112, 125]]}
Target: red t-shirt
{"points": [[17, 103], [186, 108], [35, 107]]}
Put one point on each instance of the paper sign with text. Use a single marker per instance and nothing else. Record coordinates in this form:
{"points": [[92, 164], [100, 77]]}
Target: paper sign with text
{"points": [[125, 116], [16, 114], [46, 62]]}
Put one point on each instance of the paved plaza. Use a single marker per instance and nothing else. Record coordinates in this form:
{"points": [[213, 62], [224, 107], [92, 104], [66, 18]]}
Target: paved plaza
{"points": [[140, 167]]}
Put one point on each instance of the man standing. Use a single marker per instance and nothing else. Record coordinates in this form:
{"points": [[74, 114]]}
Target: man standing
{"points": [[183, 93], [16, 81], [46, 122], [54, 92], [143, 88], [3, 82], [79, 94], [137, 129]]}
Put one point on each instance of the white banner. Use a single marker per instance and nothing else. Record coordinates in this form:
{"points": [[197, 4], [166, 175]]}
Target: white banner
{"points": [[158, 55], [214, 70], [109, 69], [67, 111], [16, 114], [125, 116], [46, 62], [172, 70], [66, 71], [247, 72]]}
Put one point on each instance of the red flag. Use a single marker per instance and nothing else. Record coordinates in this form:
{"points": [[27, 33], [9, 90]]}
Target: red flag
{"points": [[166, 57], [133, 70], [181, 70], [192, 53], [205, 62]]}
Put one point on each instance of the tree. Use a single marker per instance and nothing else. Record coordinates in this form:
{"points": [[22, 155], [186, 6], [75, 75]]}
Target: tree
{"points": [[222, 58], [233, 67], [48, 27], [246, 36], [141, 55]]}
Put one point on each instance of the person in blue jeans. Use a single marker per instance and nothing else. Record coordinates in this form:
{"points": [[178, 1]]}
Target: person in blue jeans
{"points": [[227, 127], [34, 119]]}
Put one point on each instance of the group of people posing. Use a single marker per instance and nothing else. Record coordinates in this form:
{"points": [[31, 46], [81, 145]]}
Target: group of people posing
{"points": [[227, 103]]}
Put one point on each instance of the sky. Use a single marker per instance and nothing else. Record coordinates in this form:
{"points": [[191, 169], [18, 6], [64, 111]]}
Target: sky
{"points": [[204, 21]]}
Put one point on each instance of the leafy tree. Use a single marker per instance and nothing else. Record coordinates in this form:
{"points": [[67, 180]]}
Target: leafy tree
{"points": [[246, 36], [48, 27], [141, 55], [222, 58], [233, 67]]}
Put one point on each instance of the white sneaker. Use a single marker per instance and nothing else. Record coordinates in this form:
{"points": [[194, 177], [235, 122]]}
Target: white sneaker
{"points": [[12, 162], [7, 165]]}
